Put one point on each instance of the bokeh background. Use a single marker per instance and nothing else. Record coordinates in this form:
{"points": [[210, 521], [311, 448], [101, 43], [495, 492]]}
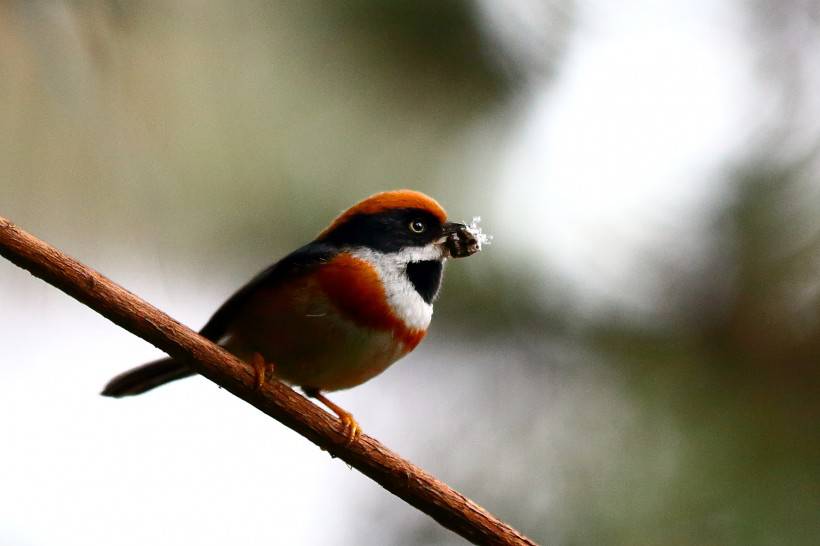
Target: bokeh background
{"points": [[633, 361]]}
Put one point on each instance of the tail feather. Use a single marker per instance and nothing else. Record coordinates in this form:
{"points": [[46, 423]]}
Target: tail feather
{"points": [[146, 377]]}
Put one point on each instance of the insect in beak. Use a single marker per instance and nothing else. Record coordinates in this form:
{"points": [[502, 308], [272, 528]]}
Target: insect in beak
{"points": [[459, 240]]}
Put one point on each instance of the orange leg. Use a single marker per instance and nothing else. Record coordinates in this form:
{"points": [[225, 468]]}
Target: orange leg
{"points": [[261, 368], [349, 424]]}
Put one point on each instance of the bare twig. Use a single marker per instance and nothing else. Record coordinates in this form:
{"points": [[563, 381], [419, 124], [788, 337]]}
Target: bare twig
{"points": [[433, 497]]}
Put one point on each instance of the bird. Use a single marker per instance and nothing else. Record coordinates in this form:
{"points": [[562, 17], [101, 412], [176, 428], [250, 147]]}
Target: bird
{"points": [[339, 310]]}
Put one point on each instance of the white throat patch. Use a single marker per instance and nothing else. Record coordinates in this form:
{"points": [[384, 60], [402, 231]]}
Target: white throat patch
{"points": [[402, 296]]}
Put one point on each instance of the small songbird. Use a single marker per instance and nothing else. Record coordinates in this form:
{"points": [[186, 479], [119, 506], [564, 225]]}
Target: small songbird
{"points": [[339, 310]]}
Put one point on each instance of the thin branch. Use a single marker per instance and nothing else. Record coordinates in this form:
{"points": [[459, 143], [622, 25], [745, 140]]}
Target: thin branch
{"points": [[405, 480]]}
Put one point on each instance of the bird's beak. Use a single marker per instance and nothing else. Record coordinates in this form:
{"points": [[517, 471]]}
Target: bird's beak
{"points": [[458, 240]]}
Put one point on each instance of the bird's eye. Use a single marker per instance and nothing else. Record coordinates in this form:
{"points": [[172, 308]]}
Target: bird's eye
{"points": [[417, 226]]}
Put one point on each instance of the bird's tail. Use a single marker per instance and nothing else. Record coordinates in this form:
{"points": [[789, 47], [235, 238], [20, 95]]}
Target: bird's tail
{"points": [[146, 377]]}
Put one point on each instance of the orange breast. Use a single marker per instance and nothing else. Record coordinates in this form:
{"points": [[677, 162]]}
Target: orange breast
{"points": [[354, 287], [330, 329]]}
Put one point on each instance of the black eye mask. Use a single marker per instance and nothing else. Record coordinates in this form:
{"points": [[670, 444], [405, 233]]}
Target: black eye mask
{"points": [[387, 231]]}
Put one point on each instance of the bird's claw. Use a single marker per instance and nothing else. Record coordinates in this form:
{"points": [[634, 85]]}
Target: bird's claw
{"points": [[350, 427], [261, 369]]}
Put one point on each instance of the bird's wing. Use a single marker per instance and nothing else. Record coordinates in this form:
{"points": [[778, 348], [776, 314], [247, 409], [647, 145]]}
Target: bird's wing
{"points": [[299, 262]]}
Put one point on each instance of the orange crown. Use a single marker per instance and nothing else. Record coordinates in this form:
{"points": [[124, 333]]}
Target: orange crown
{"points": [[387, 200]]}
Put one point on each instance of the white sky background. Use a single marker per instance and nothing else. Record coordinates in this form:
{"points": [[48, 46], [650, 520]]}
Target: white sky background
{"points": [[622, 151], [620, 160]]}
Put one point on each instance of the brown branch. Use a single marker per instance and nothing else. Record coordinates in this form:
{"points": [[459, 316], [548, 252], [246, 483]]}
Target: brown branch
{"points": [[418, 488]]}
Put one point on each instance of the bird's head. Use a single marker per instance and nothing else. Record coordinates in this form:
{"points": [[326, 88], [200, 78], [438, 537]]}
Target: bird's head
{"points": [[405, 234], [403, 222]]}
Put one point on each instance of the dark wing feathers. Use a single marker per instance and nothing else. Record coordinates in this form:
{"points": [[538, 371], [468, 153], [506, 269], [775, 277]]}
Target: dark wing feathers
{"points": [[295, 264], [157, 373]]}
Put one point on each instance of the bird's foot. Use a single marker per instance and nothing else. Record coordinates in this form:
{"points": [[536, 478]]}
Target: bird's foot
{"points": [[350, 427], [262, 369]]}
